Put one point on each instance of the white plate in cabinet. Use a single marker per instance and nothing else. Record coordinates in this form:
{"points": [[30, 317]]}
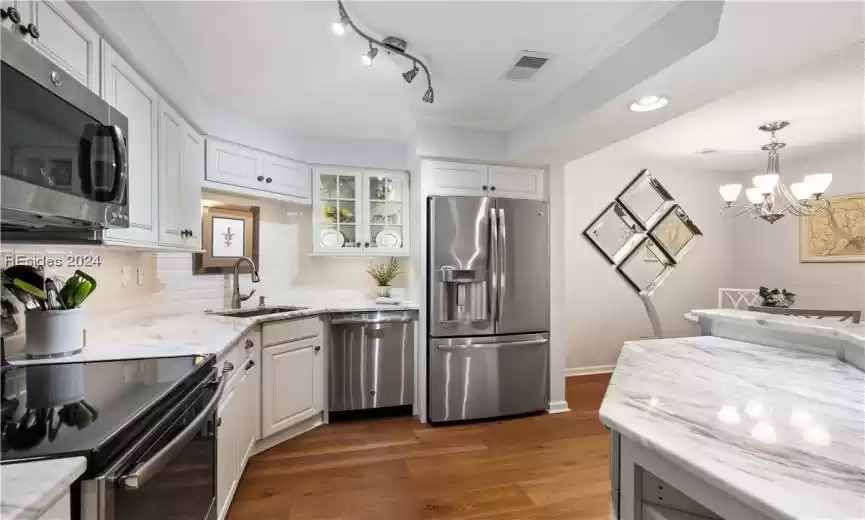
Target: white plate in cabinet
{"points": [[65, 38], [286, 177], [292, 384], [516, 182], [126, 91], [232, 164], [452, 178]]}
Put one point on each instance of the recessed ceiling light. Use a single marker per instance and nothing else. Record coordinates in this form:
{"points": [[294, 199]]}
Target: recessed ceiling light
{"points": [[649, 103]]}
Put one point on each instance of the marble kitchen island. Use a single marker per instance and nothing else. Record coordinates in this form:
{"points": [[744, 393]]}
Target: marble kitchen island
{"points": [[722, 428]]}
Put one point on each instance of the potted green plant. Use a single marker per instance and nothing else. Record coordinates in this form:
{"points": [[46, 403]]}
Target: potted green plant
{"points": [[777, 297], [384, 274]]}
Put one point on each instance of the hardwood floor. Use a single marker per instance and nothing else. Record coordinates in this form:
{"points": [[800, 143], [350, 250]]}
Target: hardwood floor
{"points": [[546, 467]]}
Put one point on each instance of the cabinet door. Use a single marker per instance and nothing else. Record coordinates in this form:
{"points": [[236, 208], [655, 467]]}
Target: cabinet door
{"points": [[126, 91], [516, 182], [386, 213], [171, 182], [233, 164], [251, 408], [337, 208], [65, 38], [291, 384], [286, 177], [226, 451], [193, 174], [450, 178]]}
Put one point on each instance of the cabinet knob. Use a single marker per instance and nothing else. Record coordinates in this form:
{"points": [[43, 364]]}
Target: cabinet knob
{"points": [[492, 188], [484, 187], [260, 178], [249, 344], [12, 14], [30, 29], [55, 78], [366, 244], [268, 180], [218, 422], [357, 244], [250, 364], [317, 348]]}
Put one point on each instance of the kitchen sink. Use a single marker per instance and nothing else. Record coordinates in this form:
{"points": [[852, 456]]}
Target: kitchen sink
{"points": [[260, 311]]}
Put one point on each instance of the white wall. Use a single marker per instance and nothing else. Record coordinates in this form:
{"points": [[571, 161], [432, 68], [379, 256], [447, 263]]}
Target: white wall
{"points": [[769, 254], [601, 311]]}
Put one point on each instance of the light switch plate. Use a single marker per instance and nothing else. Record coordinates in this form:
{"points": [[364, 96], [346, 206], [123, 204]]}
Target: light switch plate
{"points": [[140, 276]]}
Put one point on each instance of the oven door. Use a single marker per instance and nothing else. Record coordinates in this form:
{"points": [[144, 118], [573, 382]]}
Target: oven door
{"points": [[169, 473], [64, 158]]}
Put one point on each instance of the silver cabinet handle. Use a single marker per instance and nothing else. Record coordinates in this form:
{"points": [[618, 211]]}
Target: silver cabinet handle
{"points": [[142, 473], [503, 264], [494, 267], [487, 346], [249, 344], [365, 321]]}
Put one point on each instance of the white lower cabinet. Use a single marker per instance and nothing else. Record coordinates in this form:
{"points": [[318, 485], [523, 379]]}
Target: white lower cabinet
{"points": [[292, 384], [227, 469]]}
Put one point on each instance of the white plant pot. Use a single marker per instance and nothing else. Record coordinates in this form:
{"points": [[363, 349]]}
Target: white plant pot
{"points": [[54, 333]]}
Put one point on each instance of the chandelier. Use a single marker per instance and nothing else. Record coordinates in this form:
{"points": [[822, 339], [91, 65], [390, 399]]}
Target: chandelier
{"points": [[770, 198], [391, 45]]}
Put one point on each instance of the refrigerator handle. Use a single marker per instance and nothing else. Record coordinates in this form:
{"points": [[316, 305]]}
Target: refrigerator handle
{"points": [[503, 264], [493, 282]]}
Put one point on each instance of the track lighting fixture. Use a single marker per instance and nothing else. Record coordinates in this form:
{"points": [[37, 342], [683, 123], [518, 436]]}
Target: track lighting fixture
{"points": [[429, 96], [409, 75], [367, 58], [391, 45]]}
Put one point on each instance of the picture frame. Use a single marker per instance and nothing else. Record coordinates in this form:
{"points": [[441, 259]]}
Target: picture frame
{"points": [[228, 232], [836, 235]]}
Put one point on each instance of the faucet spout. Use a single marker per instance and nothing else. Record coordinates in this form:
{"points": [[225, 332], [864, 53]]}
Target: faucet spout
{"points": [[236, 297]]}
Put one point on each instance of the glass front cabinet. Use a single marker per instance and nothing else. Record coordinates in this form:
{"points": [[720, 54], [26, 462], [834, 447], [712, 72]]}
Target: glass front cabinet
{"points": [[360, 212]]}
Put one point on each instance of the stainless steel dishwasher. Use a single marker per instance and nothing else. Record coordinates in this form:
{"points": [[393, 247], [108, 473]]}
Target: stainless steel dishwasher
{"points": [[371, 360]]}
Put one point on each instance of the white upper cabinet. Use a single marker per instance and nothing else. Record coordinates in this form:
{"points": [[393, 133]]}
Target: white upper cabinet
{"points": [[237, 169], [193, 174], [172, 142], [516, 182], [65, 38], [451, 178], [454, 178], [126, 91], [360, 212]]}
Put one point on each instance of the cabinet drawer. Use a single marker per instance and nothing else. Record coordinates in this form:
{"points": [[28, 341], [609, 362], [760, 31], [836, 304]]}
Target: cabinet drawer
{"points": [[290, 330], [240, 353]]}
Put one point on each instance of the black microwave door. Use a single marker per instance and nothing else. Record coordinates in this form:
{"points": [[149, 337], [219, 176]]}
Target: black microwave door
{"points": [[49, 142]]}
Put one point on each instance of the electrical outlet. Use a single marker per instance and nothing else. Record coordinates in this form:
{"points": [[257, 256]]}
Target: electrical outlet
{"points": [[140, 276], [124, 276]]}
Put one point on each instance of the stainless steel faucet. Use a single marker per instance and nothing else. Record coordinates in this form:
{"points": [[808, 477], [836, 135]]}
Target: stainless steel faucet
{"points": [[236, 297]]}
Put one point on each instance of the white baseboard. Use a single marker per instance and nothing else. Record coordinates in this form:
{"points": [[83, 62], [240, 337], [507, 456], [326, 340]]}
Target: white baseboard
{"points": [[290, 432], [558, 407], [590, 370]]}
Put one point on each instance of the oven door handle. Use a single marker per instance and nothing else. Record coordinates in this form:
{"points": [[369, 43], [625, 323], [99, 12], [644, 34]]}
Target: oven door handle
{"points": [[144, 471], [121, 170]]}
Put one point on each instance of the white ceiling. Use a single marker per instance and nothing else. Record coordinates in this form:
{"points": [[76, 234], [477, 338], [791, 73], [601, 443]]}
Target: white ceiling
{"points": [[824, 100], [279, 62]]}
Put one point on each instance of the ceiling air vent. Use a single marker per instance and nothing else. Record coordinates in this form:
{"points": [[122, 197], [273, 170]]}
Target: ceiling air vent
{"points": [[525, 65]]}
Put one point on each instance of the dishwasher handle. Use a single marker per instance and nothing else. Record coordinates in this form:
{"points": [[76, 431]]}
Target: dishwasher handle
{"points": [[371, 321]]}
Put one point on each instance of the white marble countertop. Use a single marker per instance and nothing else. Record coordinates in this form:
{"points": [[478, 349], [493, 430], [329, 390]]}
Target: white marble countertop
{"points": [[780, 429], [825, 327], [184, 334], [31, 488]]}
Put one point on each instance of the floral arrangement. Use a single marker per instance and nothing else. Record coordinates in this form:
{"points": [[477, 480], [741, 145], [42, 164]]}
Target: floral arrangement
{"points": [[384, 274], [777, 297]]}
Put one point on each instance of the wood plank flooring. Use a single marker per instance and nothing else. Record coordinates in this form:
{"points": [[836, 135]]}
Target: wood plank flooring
{"points": [[546, 467]]}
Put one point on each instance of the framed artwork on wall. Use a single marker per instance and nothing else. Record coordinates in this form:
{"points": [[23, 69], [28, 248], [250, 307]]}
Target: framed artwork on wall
{"points": [[836, 235], [229, 232]]}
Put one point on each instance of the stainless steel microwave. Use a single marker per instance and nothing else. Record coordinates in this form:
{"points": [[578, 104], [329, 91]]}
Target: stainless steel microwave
{"points": [[64, 161]]}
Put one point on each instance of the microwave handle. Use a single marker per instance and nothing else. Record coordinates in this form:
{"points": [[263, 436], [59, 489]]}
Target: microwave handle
{"points": [[140, 474], [121, 173]]}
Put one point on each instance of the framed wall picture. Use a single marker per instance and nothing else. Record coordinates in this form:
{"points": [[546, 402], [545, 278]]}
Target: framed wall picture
{"points": [[228, 233], [836, 235]]}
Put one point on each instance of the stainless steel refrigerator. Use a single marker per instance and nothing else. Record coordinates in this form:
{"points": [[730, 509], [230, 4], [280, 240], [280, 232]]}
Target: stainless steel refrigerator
{"points": [[488, 296]]}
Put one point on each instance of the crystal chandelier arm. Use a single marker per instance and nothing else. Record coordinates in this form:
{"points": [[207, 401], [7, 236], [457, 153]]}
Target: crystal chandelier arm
{"points": [[344, 16]]}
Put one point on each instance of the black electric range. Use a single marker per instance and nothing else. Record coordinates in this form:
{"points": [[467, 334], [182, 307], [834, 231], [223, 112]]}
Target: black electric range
{"points": [[146, 427]]}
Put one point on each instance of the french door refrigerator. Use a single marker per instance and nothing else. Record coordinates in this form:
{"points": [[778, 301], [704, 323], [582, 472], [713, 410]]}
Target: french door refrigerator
{"points": [[488, 300]]}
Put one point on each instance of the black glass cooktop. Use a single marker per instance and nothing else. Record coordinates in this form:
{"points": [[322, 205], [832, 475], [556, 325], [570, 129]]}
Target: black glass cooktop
{"points": [[89, 409]]}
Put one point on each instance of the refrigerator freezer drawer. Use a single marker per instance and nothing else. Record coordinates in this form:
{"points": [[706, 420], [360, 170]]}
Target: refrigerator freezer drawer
{"points": [[371, 361], [478, 378]]}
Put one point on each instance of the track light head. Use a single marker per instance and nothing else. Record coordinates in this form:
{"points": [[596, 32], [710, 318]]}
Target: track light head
{"points": [[409, 75], [429, 96], [338, 26], [367, 58]]}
